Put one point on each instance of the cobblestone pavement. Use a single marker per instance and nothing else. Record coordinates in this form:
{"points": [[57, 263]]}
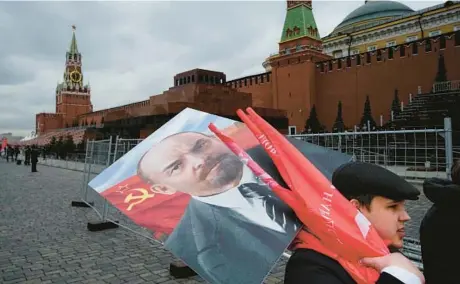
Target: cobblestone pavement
{"points": [[44, 240]]}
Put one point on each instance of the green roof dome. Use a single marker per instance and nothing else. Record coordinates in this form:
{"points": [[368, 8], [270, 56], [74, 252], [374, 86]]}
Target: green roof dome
{"points": [[374, 10]]}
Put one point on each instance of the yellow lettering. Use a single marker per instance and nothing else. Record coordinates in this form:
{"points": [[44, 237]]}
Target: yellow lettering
{"points": [[144, 195]]}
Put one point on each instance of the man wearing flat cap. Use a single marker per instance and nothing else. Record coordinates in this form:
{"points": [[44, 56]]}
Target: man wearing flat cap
{"points": [[380, 196]]}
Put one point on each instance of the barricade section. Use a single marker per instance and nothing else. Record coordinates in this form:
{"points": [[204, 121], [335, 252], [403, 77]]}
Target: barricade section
{"points": [[86, 169], [123, 146], [98, 155], [413, 154], [412, 250]]}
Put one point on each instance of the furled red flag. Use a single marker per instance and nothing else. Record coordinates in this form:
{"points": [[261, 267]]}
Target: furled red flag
{"points": [[333, 226], [159, 213]]}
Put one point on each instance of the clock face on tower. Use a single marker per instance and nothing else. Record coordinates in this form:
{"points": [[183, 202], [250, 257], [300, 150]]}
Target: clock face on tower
{"points": [[75, 76]]}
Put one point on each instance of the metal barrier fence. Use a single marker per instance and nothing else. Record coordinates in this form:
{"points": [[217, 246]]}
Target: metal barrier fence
{"points": [[96, 153], [411, 153], [99, 155], [446, 86], [75, 163]]}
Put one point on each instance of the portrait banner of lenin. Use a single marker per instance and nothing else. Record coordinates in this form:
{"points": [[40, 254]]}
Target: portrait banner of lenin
{"points": [[200, 200]]}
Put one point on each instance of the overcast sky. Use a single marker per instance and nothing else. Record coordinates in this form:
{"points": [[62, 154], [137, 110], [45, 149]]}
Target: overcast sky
{"points": [[132, 50]]}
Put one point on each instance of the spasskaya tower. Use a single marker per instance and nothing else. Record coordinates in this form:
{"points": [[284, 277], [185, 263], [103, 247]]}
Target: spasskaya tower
{"points": [[73, 97]]}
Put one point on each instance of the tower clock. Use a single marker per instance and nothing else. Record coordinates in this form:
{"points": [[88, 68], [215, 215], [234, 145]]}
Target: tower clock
{"points": [[75, 76]]}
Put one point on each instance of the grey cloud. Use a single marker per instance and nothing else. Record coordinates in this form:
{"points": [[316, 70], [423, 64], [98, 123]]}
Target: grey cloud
{"points": [[11, 74], [12, 117]]}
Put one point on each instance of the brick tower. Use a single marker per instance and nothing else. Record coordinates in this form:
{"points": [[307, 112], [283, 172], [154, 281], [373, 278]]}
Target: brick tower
{"points": [[72, 96], [293, 69]]}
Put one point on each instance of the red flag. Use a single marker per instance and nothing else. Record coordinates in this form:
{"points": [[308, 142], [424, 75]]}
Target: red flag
{"points": [[340, 230], [4, 143], [159, 213]]}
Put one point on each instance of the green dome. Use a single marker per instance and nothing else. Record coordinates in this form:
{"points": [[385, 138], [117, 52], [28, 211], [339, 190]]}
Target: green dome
{"points": [[374, 10]]}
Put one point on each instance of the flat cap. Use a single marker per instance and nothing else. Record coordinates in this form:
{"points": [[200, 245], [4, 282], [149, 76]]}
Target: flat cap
{"points": [[358, 178]]}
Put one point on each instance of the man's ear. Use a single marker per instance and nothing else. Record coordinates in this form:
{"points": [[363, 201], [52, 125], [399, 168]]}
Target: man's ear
{"points": [[355, 203], [162, 189]]}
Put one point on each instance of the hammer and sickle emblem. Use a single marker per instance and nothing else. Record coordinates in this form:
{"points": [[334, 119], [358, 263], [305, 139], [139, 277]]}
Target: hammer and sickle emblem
{"points": [[140, 198]]}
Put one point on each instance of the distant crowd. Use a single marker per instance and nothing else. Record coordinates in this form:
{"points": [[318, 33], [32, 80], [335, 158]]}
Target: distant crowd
{"points": [[30, 154]]}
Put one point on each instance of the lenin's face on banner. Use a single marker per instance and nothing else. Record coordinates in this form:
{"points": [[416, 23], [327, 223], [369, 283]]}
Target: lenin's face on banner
{"points": [[192, 163]]}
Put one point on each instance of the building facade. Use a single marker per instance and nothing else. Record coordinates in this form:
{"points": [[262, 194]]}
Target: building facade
{"points": [[383, 24], [381, 47]]}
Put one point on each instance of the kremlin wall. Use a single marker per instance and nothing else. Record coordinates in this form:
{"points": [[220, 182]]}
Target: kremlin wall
{"points": [[378, 76], [390, 52]]}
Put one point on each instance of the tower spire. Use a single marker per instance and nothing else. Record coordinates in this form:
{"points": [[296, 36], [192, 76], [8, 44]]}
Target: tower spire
{"points": [[299, 22], [73, 44], [291, 4]]}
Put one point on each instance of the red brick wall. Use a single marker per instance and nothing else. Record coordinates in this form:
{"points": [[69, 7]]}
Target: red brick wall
{"points": [[261, 91], [222, 100], [73, 105], [182, 93], [294, 89], [217, 99], [45, 122], [134, 109], [379, 80]]}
